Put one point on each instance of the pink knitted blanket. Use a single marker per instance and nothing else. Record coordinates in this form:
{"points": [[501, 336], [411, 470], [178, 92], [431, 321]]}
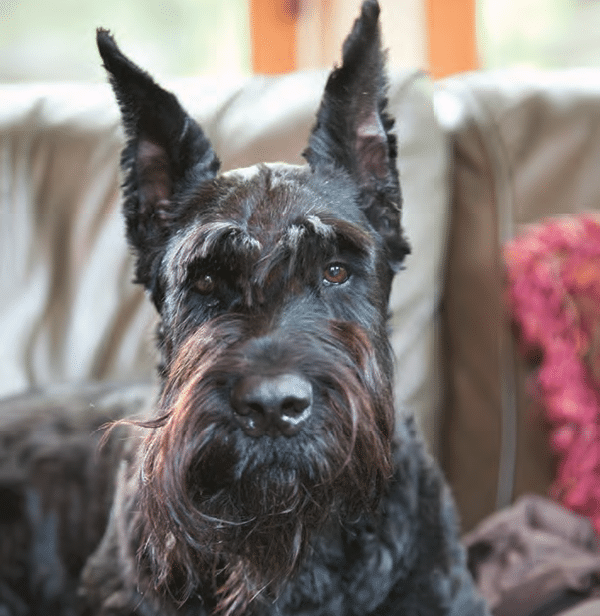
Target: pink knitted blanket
{"points": [[554, 297]]}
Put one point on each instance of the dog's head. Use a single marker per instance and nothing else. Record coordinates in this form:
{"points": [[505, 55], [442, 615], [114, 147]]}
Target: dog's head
{"points": [[272, 285], [172, 172]]}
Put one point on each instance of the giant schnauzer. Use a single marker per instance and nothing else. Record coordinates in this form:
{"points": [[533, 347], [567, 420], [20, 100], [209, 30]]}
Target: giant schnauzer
{"points": [[271, 478]]}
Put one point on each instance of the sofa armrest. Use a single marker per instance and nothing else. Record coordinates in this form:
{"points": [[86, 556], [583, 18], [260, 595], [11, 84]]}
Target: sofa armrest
{"points": [[525, 146]]}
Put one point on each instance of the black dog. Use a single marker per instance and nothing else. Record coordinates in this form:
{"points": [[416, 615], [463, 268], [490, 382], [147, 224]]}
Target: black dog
{"points": [[268, 480]]}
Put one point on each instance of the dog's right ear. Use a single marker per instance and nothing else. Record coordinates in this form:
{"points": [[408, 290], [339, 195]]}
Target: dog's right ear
{"points": [[354, 131], [165, 151]]}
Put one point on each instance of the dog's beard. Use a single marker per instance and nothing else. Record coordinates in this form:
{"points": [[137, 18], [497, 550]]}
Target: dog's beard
{"points": [[233, 514]]}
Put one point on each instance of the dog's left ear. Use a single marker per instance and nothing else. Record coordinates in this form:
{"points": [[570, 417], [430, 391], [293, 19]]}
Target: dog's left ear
{"points": [[353, 131]]}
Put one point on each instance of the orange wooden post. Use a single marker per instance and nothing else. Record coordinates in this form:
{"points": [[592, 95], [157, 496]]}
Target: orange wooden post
{"points": [[451, 32], [273, 35]]}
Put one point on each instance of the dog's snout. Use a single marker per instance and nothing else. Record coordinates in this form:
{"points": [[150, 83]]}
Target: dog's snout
{"points": [[272, 405]]}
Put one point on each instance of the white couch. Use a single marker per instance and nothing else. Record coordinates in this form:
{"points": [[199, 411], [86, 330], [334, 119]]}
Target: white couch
{"points": [[480, 155]]}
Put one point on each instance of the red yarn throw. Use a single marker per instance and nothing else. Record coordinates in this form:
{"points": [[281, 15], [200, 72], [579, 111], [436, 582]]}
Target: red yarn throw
{"points": [[554, 298]]}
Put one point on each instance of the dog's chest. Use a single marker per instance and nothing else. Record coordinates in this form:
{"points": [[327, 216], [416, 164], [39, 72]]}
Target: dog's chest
{"points": [[351, 567]]}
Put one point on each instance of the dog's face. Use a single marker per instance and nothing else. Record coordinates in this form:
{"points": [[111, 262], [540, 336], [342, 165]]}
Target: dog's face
{"points": [[272, 286]]}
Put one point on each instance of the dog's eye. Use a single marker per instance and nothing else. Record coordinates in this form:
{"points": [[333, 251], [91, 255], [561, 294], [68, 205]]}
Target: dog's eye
{"points": [[335, 273], [205, 284]]}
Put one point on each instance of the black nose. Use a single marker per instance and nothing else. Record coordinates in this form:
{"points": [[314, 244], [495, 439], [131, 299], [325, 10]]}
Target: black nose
{"points": [[272, 405]]}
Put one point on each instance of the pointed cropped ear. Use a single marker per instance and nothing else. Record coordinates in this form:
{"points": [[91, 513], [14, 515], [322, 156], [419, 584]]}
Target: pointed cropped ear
{"points": [[353, 131], [165, 151]]}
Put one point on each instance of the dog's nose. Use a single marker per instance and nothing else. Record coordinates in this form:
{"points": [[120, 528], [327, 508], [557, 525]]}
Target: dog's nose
{"points": [[272, 405]]}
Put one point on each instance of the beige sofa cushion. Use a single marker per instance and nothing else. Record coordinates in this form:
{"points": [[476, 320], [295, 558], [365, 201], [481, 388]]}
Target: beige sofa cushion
{"points": [[68, 311]]}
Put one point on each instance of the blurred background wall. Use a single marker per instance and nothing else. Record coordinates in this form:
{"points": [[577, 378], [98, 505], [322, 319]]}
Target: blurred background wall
{"points": [[54, 39]]}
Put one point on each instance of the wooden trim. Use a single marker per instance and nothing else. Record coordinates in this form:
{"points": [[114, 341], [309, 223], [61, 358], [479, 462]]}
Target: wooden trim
{"points": [[451, 34], [274, 26], [273, 35]]}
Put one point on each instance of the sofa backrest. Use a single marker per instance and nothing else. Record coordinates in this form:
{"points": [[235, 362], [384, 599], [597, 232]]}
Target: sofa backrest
{"points": [[68, 310]]}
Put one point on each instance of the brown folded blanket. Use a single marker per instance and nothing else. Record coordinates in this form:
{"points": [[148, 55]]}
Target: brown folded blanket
{"points": [[537, 559]]}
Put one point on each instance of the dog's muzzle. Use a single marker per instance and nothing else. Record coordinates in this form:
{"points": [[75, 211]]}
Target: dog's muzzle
{"points": [[272, 405]]}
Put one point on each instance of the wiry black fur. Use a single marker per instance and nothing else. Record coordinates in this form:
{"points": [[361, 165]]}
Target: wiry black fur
{"points": [[269, 479]]}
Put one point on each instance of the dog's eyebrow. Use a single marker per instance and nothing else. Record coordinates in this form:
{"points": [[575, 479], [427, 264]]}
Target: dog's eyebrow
{"points": [[352, 236], [329, 230], [322, 233], [224, 238], [311, 225], [319, 227]]}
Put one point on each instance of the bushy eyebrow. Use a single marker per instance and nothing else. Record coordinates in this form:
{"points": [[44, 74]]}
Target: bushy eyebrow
{"points": [[331, 230], [227, 242], [307, 240]]}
